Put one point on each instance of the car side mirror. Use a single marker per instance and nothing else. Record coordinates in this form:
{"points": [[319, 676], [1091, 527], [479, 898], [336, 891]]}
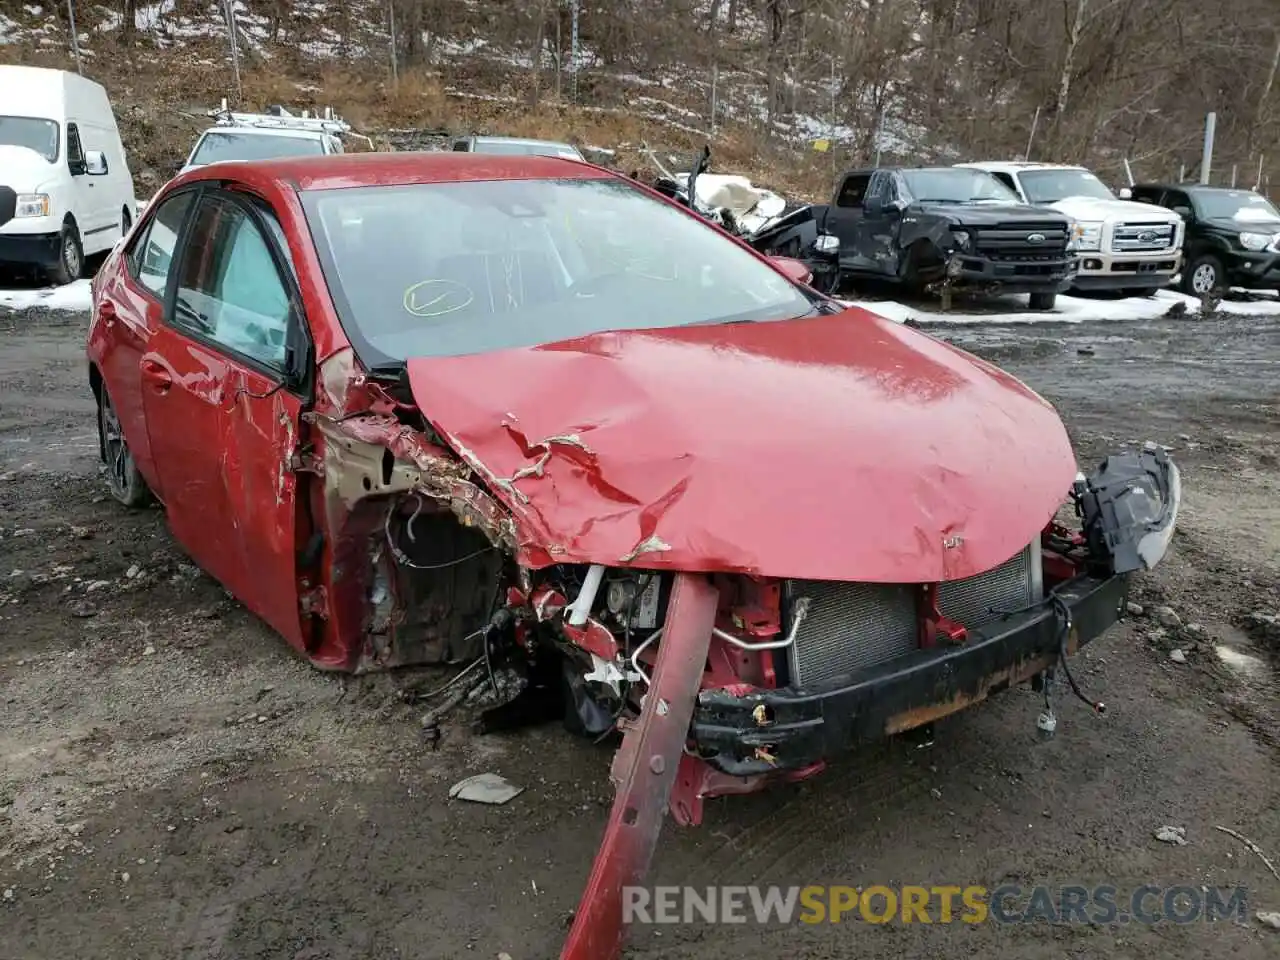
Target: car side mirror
{"points": [[95, 163], [1184, 212], [793, 269], [1126, 193], [873, 206]]}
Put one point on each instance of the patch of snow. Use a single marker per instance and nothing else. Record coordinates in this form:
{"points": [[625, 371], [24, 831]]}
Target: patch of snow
{"points": [[8, 30], [74, 297], [1242, 663], [1067, 310]]}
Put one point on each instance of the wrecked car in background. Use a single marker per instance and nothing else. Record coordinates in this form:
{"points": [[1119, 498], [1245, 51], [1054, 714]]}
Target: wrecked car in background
{"points": [[733, 203], [930, 229], [415, 409]]}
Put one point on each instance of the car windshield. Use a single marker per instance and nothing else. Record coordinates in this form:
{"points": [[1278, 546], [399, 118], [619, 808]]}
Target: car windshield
{"points": [[527, 149], [30, 132], [227, 145], [957, 185], [1236, 204], [1050, 186], [446, 269]]}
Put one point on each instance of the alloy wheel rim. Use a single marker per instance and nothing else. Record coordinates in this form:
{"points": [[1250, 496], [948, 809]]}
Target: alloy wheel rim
{"points": [[70, 257], [1202, 281], [118, 459]]}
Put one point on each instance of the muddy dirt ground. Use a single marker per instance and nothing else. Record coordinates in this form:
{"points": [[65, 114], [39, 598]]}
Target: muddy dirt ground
{"points": [[174, 783]]}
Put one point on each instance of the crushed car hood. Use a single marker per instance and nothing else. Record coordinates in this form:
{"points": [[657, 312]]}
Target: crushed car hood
{"points": [[841, 447]]}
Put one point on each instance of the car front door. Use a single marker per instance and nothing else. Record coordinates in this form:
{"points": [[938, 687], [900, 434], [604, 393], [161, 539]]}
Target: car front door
{"points": [[843, 219], [223, 387], [876, 230], [130, 310]]}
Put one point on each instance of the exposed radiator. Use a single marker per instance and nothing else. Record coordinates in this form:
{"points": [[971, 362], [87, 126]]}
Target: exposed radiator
{"points": [[851, 626]]}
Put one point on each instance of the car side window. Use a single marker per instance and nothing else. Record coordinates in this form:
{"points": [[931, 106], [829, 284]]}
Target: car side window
{"points": [[151, 257], [1179, 202], [75, 150], [879, 188], [229, 289], [852, 191]]}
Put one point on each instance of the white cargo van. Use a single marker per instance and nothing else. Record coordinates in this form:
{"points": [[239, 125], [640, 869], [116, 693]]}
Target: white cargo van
{"points": [[65, 188]]}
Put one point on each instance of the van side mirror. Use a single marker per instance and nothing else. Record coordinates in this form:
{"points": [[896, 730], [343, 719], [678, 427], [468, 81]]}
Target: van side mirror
{"points": [[95, 163], [1126, 193]]}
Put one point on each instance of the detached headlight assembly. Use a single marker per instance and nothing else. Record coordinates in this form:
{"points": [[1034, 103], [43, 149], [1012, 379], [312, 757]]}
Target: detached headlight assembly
{"points": [[32, 205], [1255, 241], [826, 243], [1086, 236]]}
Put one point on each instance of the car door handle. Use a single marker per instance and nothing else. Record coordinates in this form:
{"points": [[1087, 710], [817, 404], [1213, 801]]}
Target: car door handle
{"points": [[155, 374]]}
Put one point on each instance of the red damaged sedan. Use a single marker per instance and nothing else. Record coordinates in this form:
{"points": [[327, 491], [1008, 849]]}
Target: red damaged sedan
{"points": [[426, 408]]}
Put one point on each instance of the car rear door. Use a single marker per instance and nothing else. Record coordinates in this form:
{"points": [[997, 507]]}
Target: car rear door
{"points": [[130, 309], [223, 391]]}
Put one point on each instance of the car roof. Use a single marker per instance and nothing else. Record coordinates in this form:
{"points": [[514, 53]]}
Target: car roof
{"points": [[291, 132], [1194, 188], [401, 168], [1015, 166], [524, 141]]}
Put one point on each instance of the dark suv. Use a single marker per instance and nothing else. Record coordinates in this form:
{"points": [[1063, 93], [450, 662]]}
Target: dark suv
{"points": [[1233, 236]]}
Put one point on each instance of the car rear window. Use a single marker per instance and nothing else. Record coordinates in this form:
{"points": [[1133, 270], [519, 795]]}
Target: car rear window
{"points": [[227, 145], [455, 268]]}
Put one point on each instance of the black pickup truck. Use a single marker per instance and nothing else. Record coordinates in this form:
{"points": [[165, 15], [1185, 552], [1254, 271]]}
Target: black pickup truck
{"points": [[930, 228]]}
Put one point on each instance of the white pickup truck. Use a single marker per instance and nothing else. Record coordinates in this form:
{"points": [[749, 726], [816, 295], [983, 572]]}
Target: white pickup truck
{"points": [[1134, 248]]}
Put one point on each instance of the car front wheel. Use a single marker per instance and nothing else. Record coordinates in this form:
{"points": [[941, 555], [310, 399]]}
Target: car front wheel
{"points": [[123, 479], [1043, 301]]}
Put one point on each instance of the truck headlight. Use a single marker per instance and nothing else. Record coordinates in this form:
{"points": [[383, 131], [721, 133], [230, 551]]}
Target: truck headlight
{"points": [[1086, 236], [1255, 241], [32, 205], [961, 238], [826, 243]]}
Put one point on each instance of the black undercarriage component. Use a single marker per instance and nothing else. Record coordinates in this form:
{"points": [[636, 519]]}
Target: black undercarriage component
{"points": [[1128, 508]]}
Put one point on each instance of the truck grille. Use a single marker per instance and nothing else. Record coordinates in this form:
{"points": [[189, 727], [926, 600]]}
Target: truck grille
{"points": [[1014, 241], [1142, 237], [851, 626]]}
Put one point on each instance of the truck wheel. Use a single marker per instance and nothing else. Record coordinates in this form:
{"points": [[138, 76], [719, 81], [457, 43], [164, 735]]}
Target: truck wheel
{"points": [[1043, 301], [70, 256], [1203, 275]]}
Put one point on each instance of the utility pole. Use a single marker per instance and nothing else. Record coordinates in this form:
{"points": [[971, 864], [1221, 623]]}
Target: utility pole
{"points": [[235, 45], [391, 23], [1210, 125], [75, 36]]}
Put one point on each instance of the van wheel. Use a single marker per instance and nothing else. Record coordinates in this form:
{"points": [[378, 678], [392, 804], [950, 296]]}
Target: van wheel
{"points": [[70, 256], [123, 479], [1043, 301]]}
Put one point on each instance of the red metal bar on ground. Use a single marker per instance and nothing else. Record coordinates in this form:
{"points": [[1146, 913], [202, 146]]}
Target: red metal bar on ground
{"points": [[644, 770]]}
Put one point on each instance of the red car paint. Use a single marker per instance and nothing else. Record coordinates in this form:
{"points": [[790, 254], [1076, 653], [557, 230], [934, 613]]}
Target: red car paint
{"points": [[840, 447]]}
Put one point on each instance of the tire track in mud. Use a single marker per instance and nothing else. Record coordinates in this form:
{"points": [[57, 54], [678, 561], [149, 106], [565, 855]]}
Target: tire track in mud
{"points": [[779, 841]]}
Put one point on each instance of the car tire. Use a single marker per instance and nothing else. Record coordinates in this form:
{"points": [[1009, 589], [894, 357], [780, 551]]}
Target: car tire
{"points": [[1202, 276], [70, 263], [124, 482], [1040, 300]]}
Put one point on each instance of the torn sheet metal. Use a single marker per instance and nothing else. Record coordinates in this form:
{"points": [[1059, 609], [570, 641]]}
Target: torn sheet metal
{"points": [[839, 447]]}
